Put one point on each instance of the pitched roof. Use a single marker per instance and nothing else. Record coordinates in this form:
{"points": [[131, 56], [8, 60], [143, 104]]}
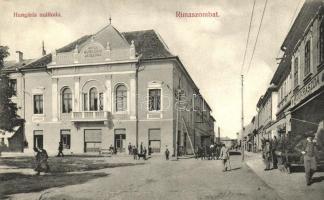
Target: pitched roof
{"points": [[12, 65], [147, 43]]}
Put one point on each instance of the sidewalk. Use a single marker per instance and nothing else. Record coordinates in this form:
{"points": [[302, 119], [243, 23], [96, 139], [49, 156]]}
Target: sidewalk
{"points": [[288, 186]]}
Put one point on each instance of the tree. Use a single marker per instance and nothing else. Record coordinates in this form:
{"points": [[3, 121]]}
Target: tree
{"points": [[8, 110]]}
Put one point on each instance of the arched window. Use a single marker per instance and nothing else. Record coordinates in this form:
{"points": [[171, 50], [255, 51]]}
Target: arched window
{"points": [[121, 98], [66, 100], [93, 95]]}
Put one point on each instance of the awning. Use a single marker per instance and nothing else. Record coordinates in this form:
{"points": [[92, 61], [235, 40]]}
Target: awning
{"points": [[277, 124], [9, 134]]}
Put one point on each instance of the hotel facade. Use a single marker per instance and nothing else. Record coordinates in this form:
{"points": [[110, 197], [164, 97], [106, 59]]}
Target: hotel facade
{"points": [[110, 88]]}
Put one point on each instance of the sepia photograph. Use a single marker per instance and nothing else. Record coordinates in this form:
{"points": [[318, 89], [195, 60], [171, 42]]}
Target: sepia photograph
{"points": [[161, 99]]}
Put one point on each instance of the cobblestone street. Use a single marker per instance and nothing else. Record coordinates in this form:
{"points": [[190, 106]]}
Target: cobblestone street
{"points": [[160, 179]]}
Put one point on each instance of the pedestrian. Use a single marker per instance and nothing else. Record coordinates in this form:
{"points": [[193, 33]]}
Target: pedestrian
{"points": [[167, 153], [310, 164], [141, 148], [211, 150], [60, 150], [274, 148], [111, 149], [41, 161], [224, 155], [129, 149], [197, 152], [149, 150], [135, 152], [267, 155]]}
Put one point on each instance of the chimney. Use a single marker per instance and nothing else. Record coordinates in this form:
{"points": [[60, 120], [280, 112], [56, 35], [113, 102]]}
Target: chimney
{"points": [[43, 49], [20, 56]]}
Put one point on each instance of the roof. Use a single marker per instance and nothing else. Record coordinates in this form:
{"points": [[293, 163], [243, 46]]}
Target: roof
{"points": [[148, 44], [296, 32], [12, 65]]}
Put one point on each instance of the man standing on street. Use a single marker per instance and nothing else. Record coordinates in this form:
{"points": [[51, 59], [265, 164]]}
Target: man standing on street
{"points": [[273, 152], [309, 153], [224, 155], [60, 150], [129, 149], [267, 155], [167, 153]]}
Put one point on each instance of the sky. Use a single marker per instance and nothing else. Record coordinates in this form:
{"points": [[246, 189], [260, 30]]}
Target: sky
{"points": [[211, 49]]}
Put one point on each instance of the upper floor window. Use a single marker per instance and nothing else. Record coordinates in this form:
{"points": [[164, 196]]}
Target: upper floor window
{"points": [[307, 58], [13, 85], [154, 99], [66, 100], [101, 98], [296, 67], [38, 104], [85, 101], [93, 95], [121, 98], [321, 41]]}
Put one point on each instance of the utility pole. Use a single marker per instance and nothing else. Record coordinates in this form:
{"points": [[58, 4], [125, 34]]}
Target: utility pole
{"points": [[177, 123], [242, 117], [219, 140]]}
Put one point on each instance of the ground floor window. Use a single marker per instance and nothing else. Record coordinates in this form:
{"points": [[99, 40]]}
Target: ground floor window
{"points": [[38, 139], [66, 138], [154, 136], [120, 140], [92, 140]]}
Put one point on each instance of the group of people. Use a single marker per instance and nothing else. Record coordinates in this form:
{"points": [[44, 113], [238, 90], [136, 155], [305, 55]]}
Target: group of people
{"points": [[209, 152], [140, 152], [307, 148], [215, 152], [269, 148]]}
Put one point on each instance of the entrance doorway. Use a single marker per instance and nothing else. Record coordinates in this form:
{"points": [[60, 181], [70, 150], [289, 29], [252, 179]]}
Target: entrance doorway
{"points": [[38, 139], [120, 140], [155, 140]]}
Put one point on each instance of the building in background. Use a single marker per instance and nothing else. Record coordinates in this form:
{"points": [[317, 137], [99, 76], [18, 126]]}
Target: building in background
{"points": [[294, 102], [110, 88]]}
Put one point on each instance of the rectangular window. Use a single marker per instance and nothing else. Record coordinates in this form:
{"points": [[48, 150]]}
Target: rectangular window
{"points": [[296, 67], [85, 102], [307, 58], [38, 104], [13, 86], [66, 138], [154, 99]]}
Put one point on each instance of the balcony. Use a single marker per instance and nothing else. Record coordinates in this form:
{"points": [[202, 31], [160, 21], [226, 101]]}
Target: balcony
{"points": [[84, 116]]}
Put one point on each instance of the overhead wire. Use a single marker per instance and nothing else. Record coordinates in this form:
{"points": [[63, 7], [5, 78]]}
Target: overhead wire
{"points": [[257, 36], [248, 37]]}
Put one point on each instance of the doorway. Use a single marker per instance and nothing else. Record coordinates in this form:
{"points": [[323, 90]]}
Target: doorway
{"points": [[120, 140], [38, 139], [154, 136]]}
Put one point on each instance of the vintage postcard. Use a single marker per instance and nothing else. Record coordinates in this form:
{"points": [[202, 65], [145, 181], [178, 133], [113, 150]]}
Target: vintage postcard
{"points": [[169, 99]]}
